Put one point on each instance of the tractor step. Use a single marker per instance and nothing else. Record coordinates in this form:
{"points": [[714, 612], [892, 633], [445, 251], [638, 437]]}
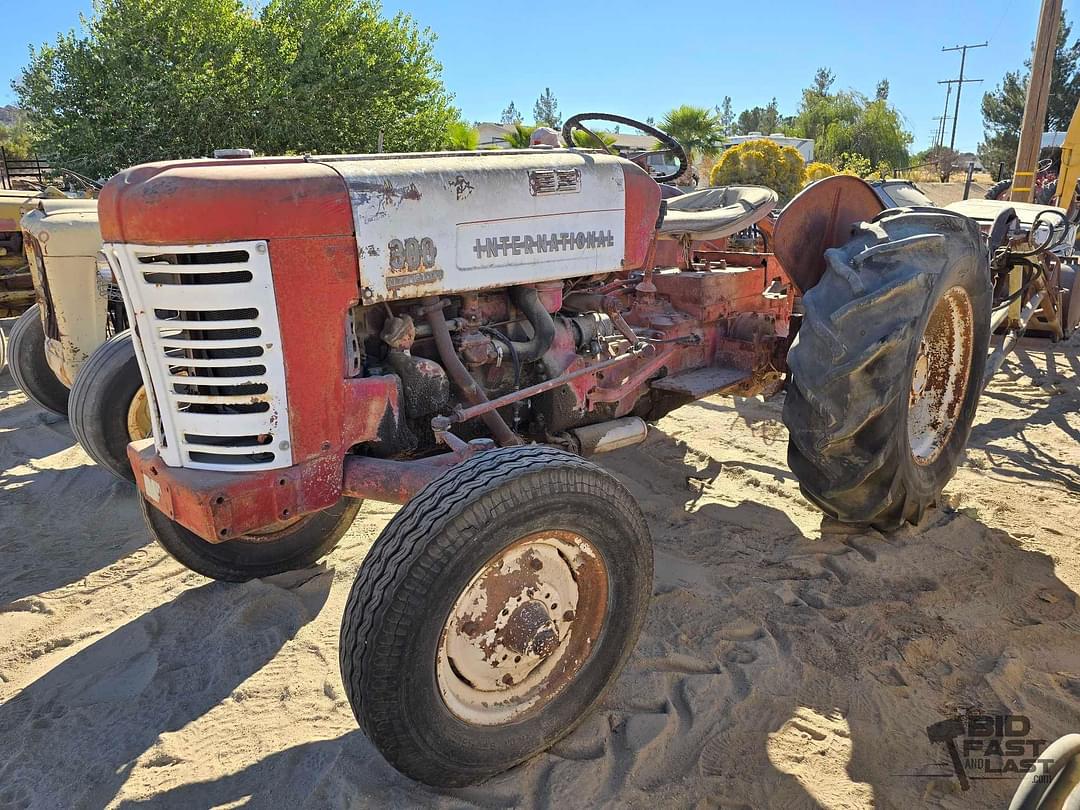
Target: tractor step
{"points": [[702, 382]]}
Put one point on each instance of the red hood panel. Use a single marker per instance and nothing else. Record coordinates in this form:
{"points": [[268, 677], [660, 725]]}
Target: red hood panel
{"points": [[200, 202]]}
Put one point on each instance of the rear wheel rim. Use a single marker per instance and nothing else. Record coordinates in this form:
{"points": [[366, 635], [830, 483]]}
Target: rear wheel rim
{"points": [[523, 628], [939, 380], [138, 416]]}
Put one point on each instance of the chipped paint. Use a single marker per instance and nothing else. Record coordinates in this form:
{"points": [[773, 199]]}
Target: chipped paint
{"points": [[522, 628]]}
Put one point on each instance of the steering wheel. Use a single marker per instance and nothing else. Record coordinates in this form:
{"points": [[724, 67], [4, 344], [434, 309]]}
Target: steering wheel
{"points": [[671, 145]]}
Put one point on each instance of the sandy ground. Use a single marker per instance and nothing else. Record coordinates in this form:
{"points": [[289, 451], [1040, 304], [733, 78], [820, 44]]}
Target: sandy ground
{"points": [[784, 663]]}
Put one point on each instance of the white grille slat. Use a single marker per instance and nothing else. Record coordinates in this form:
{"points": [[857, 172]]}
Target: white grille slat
{"points": [[240, 424], [210, 343], [220, 399], [206, 326], [220, 382], [214, 362], [165, 343], [227, 450], [195, 269], [199, 297]]}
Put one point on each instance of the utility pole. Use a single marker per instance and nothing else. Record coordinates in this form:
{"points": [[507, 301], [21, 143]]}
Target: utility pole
{"points": [[1038, 94], [945, 114], [960, 84], [939, 128], [952, 143]]}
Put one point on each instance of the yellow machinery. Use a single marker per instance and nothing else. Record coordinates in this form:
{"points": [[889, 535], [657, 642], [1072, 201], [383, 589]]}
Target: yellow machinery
{"points": [[1065, 195]]}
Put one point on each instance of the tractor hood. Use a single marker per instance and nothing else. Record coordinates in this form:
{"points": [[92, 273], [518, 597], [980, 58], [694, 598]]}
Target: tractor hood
{"points": [[66, 232], [423, 224]]}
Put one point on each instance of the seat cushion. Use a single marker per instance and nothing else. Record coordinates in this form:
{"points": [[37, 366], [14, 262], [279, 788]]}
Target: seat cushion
{"points": [[713, 213]]}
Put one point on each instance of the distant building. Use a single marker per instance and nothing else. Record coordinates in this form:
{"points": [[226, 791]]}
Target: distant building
{"points": [[494, 135]]}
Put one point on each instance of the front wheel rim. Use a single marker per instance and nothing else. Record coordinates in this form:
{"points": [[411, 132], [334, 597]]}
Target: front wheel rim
{"points": [[523, 628], [940, 377], [138, 416]]}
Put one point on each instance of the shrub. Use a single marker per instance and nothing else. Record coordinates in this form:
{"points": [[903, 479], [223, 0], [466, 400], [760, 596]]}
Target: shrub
{"points": [[761, 162], [818, 170], [853, 163]]}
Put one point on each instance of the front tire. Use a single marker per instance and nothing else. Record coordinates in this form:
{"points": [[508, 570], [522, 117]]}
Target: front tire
{"points": [[296, 545], [887, 367], [494, 610], [31, 371], [108, 406]]}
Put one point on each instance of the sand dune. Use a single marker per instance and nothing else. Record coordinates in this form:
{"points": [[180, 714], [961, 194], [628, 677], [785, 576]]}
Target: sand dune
{"points": [[786, 662]]}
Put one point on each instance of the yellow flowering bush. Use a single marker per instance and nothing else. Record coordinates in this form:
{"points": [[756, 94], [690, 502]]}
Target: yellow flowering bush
{"points": [[818, 170], [761, 162]]}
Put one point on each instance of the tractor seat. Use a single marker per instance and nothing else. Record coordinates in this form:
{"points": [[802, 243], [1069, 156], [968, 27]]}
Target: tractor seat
{"points": [[713, 213]]}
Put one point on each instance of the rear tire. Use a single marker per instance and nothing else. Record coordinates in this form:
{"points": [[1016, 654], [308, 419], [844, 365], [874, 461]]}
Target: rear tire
{"points": [[3, 349], [101, 403], [29, 367], [518, 527], [239, 560], [1070, 299], [999, 189], [877, 423]]}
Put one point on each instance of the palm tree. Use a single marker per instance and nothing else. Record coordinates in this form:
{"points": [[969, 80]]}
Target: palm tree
{"points": [[460, 137], [698, 129], [519, 136], [582, 140]]}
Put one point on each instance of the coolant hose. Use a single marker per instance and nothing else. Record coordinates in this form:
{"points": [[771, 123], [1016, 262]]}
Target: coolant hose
{"points": [[470, 389], [528, 301]]}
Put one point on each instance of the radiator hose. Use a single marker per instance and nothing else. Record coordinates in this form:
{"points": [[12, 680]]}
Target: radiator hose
{"points": [[528, 301]]}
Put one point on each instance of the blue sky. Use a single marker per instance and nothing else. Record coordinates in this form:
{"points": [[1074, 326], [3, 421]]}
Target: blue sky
{"points": [[642, 58]]}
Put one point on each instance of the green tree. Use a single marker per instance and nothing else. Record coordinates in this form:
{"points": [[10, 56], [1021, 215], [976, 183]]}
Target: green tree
{"points": [[546, 110], [765, 120], [158, 79], [510, 115], [727, 116], [823, 81], [336, 74], [696, 128], [1003, 107], [881, 93], [16, 139], [146, 80], [847, 121]]}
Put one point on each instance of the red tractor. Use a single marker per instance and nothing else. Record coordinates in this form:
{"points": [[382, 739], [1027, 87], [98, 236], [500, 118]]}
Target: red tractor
{"points": [[453, 332]]}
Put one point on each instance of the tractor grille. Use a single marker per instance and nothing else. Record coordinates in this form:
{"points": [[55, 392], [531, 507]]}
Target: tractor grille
{"points": [[209, 341]]}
